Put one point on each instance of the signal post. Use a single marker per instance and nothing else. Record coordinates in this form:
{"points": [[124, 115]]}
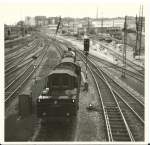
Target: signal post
{"points": [[86, 51]]}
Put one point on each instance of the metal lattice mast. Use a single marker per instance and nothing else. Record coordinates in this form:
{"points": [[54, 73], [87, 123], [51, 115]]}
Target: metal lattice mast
{"points": [[124, 48], [136, 47], [139, 25], [140, 33]]}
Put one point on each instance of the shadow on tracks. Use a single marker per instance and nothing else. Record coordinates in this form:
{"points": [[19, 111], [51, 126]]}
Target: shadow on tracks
{"points": [[57, 130]]}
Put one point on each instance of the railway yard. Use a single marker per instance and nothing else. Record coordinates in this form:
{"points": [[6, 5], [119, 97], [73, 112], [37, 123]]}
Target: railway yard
{"points": [[111, 107]]}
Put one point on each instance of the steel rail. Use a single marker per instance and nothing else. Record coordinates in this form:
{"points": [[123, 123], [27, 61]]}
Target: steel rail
{"points": [[111, 135], [16, 90], [138, 116], [130, 73]]}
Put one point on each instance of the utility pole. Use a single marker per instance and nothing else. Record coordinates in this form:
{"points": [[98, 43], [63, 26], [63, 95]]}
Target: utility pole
{"points": [[139, 32], [136, 47], [124, 48], [34, 57], [139, 26]]}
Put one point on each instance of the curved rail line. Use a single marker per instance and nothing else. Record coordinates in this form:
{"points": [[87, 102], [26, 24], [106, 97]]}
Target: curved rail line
{"points": [[106, 64], [116, 125], [137, 108], [136, 67], [137, 105], [132, 107]]}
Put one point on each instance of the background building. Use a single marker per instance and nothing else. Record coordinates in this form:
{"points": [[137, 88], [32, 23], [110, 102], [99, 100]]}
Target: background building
{"points": [[30, 21], [40, 20]]}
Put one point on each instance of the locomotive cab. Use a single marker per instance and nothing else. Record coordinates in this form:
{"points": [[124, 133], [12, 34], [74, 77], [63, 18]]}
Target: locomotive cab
{"points": [[61, 82], [60, 98]]}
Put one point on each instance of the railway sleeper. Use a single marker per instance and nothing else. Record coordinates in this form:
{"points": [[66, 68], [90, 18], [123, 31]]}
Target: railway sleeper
{"points": [[115, 119], [117, 125], [121, 138], [110, 105], [113, 112], [113, 115], [121, 135], [119, 128]]}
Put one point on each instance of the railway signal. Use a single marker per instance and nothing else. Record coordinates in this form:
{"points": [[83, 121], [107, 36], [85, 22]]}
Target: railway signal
{"points": [[86, 49], [86, 44], [34, 57]]}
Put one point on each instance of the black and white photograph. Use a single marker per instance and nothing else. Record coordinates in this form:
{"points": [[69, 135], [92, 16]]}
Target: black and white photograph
{"points": [[75, 72]]}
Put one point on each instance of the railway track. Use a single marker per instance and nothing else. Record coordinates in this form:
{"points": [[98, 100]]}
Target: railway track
{"points": [[17, 69], [116, 109], [137, 68], [132, 77], [131, 104], [14, 85], [54, 130], [133, 66], [18, 66], [21, 57], [59, 49], [136, 103], [106, 64], [13, 89], [116, 125], [14, 48], [136, 124], [26, 56], [134, 106], [15, 72], [11, 57], [9, 44], [119, 107]]}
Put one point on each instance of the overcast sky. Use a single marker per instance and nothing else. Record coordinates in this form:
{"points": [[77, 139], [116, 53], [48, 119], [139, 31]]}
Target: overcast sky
{"points": [[12, 12]]}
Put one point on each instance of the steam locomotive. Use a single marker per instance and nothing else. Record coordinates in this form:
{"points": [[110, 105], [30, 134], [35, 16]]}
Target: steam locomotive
{"points": [[60, 97]]}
